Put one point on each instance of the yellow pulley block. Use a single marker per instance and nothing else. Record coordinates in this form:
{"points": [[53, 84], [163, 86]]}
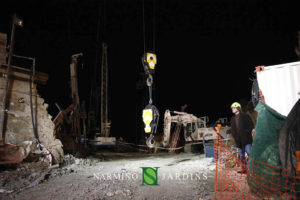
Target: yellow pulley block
{"points": [[147, 119], [151, 60]]}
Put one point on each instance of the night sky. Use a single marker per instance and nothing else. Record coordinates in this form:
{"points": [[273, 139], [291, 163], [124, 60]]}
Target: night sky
{"points": [[207, 50]]}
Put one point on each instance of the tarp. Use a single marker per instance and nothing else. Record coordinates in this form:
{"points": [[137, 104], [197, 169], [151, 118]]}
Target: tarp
{"points": [[280, 85], [264, 157], [289, 140], [265, 144]]}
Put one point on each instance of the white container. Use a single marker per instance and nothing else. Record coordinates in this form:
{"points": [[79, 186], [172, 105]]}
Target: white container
{"points": [[280, 85]]}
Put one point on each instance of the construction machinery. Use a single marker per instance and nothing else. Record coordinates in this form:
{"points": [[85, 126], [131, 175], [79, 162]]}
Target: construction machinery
{"points": [[75, 97], [195, 129], [99, 125], [71, 123], [103, 138]]}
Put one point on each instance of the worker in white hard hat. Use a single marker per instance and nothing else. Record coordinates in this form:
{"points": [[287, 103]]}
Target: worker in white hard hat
{"points": [[241, 128]]}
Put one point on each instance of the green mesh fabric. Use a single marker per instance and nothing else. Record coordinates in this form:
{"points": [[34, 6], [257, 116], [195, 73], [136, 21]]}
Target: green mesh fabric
{"points": [[264, 175]]}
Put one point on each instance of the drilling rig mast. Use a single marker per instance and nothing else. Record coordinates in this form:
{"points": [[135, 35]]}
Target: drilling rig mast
{"points": [[105, 123]]}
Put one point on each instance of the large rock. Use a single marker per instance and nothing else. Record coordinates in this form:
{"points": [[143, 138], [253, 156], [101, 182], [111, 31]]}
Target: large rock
{"points": [[12, 154]]}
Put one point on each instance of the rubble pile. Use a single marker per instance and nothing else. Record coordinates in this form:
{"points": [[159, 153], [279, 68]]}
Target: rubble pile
{"points": [[19, 176]]}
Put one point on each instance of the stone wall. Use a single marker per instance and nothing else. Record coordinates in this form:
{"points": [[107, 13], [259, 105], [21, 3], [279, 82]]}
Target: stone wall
{"points": [[19, 123]]}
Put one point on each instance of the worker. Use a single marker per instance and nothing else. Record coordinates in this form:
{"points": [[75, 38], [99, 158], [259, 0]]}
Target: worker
{"points": [[241, 128]]}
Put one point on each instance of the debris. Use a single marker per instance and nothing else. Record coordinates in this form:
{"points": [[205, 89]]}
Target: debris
{"points": [[36, 182], [68, 160], [128, 192], [110, 194], [6, 191], [27, 183], [13, 154], [118, 192], [54, 166], [231, 162]]}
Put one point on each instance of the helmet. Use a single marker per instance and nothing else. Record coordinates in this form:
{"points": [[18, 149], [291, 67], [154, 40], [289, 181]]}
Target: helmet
{"points": [[236, 105]]}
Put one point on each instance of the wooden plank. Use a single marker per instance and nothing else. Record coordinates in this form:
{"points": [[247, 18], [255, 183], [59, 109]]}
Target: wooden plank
{"points": [[3, 40], [24, 74], [3, 50]]}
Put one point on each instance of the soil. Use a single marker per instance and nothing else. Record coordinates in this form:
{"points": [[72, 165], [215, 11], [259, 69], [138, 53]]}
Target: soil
{"points": [[111, 175]]}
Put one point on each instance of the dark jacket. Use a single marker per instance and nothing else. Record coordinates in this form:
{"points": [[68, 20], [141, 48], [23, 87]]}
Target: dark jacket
{"points": [[241, 128]]}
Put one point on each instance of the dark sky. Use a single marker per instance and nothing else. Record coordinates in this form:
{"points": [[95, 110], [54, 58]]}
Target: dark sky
{"points": [[207, 50]]}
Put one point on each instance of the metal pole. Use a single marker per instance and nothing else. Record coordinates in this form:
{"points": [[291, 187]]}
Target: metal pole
{"points": [[31, 85], [106, 95], [4, 98], [75, 96]]}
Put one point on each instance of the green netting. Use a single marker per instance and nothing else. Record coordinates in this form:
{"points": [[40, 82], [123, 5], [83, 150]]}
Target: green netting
{"points": [[264, 175]]}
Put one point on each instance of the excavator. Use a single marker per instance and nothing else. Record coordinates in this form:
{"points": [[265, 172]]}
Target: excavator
{"points": [[195, 129]]}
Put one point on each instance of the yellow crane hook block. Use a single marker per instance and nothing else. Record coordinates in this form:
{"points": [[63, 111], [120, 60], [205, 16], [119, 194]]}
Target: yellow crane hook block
{"points": [[149, 61], [147, 118]]}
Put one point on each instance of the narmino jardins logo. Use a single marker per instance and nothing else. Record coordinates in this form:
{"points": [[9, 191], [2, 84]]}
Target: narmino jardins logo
{"points": [[149, 175]]}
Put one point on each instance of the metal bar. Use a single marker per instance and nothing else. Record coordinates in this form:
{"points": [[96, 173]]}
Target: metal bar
{"points": [[105, 125], [102, 128], [24, 57], [31, 103], [31, 85], [106, 95], [58, 107], [75, 96], [23, 75], [4, 98]]}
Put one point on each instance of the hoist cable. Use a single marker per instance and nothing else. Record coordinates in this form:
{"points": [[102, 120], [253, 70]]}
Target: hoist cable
{"points": [[154, 26], [150, 141], [144, 28], [104, 20], [150, 94]]}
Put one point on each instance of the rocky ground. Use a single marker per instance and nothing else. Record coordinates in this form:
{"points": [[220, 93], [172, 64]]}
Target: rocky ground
{"points": [[111, 175]]}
